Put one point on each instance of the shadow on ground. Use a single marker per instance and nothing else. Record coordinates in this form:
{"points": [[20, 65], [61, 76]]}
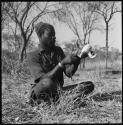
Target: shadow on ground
{"points": [[113, 72], [117, 95]]}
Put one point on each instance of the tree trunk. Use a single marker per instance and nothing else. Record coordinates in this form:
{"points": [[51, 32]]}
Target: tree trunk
{"points": [[23, 50], [80, 64], [106, 45], [89, 37], [84, 58], [84, 63]]}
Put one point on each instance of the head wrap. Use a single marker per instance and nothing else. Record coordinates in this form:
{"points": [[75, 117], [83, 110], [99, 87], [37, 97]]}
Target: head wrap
{"points": [[40, 27]]}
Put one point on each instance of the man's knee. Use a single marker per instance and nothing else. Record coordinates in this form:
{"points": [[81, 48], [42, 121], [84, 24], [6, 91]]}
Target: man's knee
{"points": [[43, 90]]}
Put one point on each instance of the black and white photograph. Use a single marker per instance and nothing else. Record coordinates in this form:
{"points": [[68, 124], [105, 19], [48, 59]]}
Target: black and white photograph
{"points": [[61, 62]]}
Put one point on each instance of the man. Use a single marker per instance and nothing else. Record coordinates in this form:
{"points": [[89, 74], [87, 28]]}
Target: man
{"points": [[47, 65]]}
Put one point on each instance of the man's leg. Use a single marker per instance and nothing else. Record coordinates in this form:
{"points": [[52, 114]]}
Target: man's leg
{"points": [[44, 90], [37, 95]]}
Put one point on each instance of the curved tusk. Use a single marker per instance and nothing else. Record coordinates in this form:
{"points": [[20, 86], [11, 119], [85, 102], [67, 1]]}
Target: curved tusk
{"points": [[92, 54]]}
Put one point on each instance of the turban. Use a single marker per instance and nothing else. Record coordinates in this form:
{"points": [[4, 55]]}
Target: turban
{"points": [[40, 27]]}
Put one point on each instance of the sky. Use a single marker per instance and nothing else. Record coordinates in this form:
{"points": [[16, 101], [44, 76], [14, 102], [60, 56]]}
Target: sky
{"points": [[63, 33]]}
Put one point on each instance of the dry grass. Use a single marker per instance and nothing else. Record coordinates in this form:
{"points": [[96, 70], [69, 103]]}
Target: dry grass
{"points": [[103, 106]]}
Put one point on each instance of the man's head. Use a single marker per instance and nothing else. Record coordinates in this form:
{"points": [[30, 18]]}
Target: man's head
{"points": [[46, 34]]}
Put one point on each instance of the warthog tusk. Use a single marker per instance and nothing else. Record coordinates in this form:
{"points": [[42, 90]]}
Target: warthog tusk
{"points": [[91, 55]]}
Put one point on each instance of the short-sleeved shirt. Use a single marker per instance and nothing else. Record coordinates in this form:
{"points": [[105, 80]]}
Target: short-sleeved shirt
{"points": [[41, 62]]}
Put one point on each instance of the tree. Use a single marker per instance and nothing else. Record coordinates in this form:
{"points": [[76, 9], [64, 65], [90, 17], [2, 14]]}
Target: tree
{"points": [[107, 10], [114, 55], [12, 42], [24, 15], [78, 17], [4, 17]]}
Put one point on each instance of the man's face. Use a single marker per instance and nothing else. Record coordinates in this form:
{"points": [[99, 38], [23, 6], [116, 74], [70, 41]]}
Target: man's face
{"points": [[48, 38]]}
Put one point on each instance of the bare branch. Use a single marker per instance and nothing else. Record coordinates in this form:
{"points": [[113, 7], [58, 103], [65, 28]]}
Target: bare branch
{"points": [[32, 29], [24, 16], [100, 12], [10, 15], [111, 14], [18, 6], [46, 5], [43, 12], [36, 17]]}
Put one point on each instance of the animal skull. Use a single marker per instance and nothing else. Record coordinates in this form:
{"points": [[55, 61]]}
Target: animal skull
{"points": [[88, 49]]}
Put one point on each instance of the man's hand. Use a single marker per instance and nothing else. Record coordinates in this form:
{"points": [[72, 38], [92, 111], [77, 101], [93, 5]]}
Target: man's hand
{"points": [[84, 55], [70, 59]]}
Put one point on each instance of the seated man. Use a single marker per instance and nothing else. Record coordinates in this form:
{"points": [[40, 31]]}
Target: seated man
{"points": [[47, 65]]}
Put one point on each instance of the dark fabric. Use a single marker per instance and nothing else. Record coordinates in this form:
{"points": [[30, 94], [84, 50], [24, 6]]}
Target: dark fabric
{"points": [[41, 62]]}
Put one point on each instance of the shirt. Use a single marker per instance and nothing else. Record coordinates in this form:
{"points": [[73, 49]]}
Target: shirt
{"points": [[41, 61]]}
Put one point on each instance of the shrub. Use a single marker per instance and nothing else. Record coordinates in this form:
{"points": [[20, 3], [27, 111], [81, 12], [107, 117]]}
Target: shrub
{"points": [[11, 65]]}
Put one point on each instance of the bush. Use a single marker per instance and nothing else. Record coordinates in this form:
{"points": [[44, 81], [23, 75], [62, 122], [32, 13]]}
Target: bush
{"points": [[11, 65], [8, 61]]}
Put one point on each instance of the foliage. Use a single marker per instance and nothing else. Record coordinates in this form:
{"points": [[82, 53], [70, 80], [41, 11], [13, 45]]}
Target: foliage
{"points": [[8, 61], [12, 42], [12, 67]]}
